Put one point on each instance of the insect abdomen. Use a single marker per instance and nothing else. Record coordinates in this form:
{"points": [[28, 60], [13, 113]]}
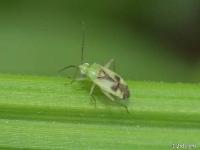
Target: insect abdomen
{"points": [[123, 89]]}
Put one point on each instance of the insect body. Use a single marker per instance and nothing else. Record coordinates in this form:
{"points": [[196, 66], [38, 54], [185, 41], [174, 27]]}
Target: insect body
{"points": [[109, 82]]}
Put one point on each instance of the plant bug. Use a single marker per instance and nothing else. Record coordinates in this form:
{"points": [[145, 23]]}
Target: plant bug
{"points": [[110, 83]]}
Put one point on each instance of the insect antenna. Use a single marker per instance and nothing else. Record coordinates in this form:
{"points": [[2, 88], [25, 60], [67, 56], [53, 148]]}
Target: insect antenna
{"points": [[75, 73], [83, 41], [67, 67]]}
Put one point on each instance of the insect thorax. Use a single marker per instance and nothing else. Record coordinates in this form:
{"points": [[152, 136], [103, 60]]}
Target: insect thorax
{"points": [[90, 71]]}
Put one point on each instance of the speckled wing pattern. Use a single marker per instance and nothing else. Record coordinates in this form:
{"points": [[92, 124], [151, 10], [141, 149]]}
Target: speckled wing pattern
{"points": [[112, 83]]}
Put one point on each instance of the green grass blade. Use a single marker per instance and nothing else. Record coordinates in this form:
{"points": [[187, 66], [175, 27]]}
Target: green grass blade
{"points": [[49, 113]]}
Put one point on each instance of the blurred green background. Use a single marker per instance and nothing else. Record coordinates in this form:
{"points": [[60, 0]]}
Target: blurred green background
{"points": [[150, 40]]}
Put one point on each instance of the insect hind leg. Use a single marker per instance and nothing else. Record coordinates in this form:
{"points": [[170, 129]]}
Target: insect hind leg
{"points": [[113, 99], [94, 100]]}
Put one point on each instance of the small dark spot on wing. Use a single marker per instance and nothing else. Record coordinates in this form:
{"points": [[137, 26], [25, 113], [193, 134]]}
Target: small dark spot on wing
{"points": [[117, 78], [117, 85], [103, 75], [124, 89]]}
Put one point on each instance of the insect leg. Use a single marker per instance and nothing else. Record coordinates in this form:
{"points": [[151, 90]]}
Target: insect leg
{"points": [[113, 99], [93, 98], [108, 64], [92, 88], [74, 76], [108, 95], [91, 93]]}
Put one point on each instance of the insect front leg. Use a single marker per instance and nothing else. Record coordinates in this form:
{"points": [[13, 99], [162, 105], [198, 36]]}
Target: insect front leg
{"points": [[113, 99], [91, 93], [74, 76], [108, 64]]}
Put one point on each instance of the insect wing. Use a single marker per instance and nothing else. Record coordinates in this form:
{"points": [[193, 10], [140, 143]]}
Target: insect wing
{"points": [[112, 83]]}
